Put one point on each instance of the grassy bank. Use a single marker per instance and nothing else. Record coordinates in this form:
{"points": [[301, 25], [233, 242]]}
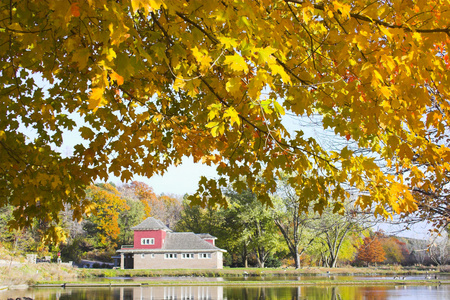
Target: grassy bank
{"points": [[31, 274], [247, 283], [251, 272]]}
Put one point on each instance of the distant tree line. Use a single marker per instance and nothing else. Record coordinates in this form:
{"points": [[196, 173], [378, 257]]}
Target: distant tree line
{"points": [[253, 235], [112, 212], [280, 236]]}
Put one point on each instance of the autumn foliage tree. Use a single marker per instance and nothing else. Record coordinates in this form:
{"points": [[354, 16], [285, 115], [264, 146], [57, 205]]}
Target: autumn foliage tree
{"points": [[395, 250], [371, 251], [146, 82], [106, 207], [145, 194], [166, 208]]}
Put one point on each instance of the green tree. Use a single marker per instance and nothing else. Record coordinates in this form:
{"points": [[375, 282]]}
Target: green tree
{"points": [[291, 219], [256, 223], [16, 241], [243, 228], [128, 218], [196, 219]]}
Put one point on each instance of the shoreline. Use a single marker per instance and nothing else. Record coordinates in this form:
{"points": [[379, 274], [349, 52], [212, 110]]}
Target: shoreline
{"points": [[248, 283], [52, 275], [254, 272]]}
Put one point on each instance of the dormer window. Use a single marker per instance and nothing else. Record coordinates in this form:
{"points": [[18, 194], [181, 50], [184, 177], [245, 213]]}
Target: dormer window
{"points": [[147, 241]]}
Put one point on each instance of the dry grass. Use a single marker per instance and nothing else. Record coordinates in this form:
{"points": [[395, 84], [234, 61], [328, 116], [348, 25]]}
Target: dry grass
{"points": [[31, 273]]}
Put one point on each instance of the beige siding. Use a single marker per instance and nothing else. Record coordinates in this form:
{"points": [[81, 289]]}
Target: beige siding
{"points": [[160, 262]]}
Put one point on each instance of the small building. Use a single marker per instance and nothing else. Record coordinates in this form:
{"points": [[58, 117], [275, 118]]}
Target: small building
{"points": [[157, 247]]}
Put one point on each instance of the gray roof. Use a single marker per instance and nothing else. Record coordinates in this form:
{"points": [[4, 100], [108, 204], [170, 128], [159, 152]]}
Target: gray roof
{"points": [[206, 236], [174, 241], [151, 224], [186, 241]]}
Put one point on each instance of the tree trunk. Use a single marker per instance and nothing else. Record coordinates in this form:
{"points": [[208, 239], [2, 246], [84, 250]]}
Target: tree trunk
{"points": [[324, 259], [296, 258], [245, 256], [261, 256], [333, 262]]}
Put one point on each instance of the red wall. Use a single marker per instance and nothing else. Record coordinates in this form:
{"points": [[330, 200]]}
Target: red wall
{"points": [[211, 241], [158, 235]]}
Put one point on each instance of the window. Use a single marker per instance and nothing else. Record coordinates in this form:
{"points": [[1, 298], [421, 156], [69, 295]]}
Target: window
{"points": [[142, 255], [147, 241], [187, 255], [170, 255], [204, 255]]}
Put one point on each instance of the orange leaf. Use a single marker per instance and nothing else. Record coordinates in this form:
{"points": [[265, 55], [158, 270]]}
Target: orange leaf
{"points": [[117, 78], [75, 9]]}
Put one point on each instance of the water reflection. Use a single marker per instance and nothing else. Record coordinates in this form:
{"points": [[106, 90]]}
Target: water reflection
{"points": [[124, 293], [170, 293], [238, 292]]}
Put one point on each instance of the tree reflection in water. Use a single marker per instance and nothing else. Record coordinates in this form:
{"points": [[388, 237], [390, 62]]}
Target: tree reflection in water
{"points": [[236, 293]]}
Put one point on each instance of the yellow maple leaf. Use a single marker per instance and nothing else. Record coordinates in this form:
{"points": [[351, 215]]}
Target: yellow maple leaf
{"points": [[233, 115], [111, 54], [236, 62], [233, 86], [95, 98], [202, 58], [147, 5], [178, 83], [385, 91], [228, 42], [277, 69], [307, 13], [344, 9]]}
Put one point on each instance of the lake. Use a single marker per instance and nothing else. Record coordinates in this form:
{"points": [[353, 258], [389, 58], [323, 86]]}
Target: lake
{"points": [[199, 292], [292, 278]]}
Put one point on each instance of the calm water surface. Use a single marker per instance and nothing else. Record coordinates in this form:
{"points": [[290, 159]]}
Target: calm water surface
{"points": [[225, 292], [269, 278]]}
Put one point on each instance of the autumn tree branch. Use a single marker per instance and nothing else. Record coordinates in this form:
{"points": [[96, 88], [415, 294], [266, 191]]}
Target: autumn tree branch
{"points": [[357, 16]]}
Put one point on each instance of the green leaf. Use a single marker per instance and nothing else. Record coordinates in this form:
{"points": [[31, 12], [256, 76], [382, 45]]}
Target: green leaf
{"points": [[278, 108]]}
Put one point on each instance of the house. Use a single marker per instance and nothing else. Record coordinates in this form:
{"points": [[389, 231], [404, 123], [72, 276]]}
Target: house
{"points": [[157, 247]]}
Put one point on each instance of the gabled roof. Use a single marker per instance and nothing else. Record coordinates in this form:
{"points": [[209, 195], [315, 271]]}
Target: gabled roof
{"points": [[151, 224], [206, 236], [186, 241], [174, 241]]}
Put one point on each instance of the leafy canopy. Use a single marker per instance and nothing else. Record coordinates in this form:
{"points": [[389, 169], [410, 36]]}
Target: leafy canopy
{"points": [[146, 82]]}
